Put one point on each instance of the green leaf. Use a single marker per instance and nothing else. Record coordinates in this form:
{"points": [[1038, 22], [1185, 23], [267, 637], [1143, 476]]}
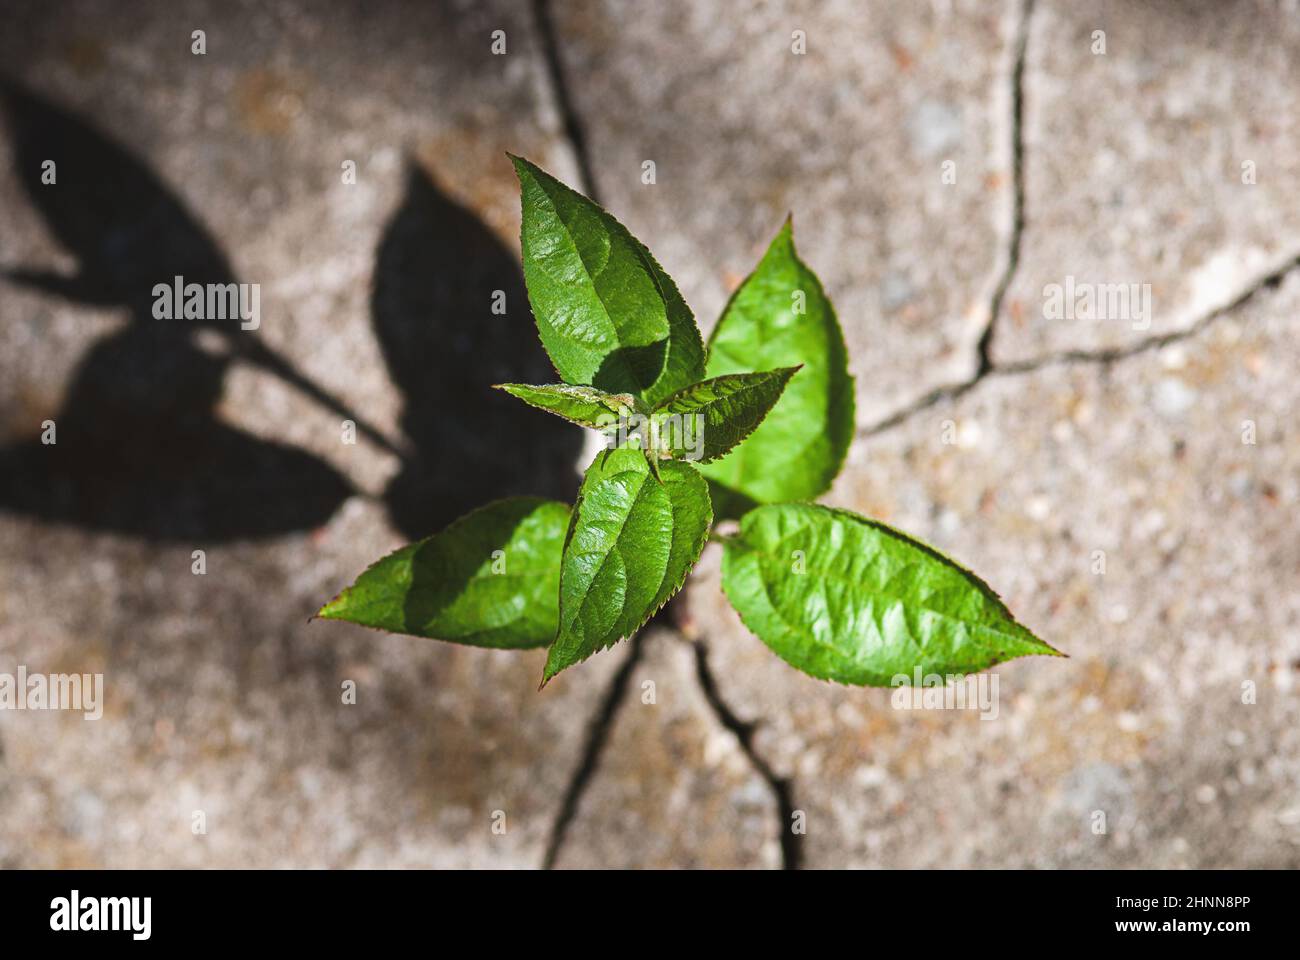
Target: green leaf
{"points": [[781, 317], [632, 542], [490, 579], [728, 409], [849, 599], [606, 312], [585, 406]]}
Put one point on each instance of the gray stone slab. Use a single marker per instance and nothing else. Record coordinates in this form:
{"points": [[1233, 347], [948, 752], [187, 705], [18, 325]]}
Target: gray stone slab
{"points": [[220, 697]]}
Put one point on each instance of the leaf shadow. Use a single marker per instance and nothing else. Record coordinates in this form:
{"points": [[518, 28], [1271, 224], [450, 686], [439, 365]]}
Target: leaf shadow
{"points": [[631, 369], [138, 447], [438, 272]]}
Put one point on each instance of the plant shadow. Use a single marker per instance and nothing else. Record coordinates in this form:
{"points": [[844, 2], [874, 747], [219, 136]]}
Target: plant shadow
{"points": [[438, 273], [138, 447]]}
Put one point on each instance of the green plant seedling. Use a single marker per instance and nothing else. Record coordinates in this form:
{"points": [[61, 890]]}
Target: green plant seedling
{"points": [[752, 429]]}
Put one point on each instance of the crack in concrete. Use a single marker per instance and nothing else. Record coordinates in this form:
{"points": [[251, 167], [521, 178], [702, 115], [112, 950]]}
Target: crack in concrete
{"points": [[1104, 356], [984, 349], [598, 730], [782, 789], [985, 367], [602, 722], [574, 127]]}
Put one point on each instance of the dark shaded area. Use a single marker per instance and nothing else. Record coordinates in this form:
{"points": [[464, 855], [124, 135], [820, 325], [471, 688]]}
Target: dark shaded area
{"points": [[139, 449], [437, 272], [140, 452], [574, 129], [728, 502], [128, 233], [631, 369]]}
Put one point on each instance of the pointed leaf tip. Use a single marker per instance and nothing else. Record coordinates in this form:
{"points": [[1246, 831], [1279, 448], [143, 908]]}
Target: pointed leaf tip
{"points": [[706, 420], [490, 579], [780, 316], [607, 313], [899, 605], [585, 406]]}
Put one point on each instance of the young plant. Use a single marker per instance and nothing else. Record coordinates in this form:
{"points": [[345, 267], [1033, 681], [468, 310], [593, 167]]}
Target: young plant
{"points": [[752, 429]]}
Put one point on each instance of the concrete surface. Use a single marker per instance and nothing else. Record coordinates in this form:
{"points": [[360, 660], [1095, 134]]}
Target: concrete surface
{"points": [[1111, 435]]}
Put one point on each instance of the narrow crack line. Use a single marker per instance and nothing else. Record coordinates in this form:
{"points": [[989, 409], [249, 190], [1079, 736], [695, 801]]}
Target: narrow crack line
{"points": [[1110, 355], [984, 349], [597, 736], [900, 416], [574, 128], [782, 790], [1105, 356], [985, 367]]}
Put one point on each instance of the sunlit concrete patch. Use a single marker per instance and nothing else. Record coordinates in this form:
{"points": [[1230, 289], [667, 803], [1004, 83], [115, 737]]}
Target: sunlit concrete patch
{"points": [[1151, 540], [856, 137], [673, 787], [1159, 152]]}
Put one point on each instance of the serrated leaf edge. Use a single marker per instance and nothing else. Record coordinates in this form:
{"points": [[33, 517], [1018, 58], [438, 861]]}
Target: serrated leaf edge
{"points": [[463, 518], [787, 226], [643, 251], [737, 542], [505, 388], [698, 551], [744, 436]]}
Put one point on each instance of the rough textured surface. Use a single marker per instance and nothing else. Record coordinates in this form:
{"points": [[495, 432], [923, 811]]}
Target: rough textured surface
{"points": [[670, 763], [1134, 162], [222, 698], [850, 137], [1145, 461]]}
